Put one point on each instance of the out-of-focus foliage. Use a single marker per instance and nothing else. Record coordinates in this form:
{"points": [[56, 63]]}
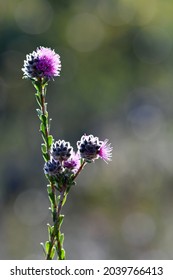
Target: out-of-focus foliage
{"points": [[116, 83]]}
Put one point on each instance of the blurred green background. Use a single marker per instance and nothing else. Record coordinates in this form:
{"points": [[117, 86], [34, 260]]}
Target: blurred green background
{"points": [[115, 83]]}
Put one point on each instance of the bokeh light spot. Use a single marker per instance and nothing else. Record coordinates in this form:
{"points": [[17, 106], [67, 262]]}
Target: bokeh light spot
{"points": [[114, 12], [85, 32], [144, 11], [117, 13], [34, 16]]}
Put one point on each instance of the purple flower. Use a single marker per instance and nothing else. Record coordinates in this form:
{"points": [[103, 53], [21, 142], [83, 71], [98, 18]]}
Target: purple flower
{"points": [[105, 151], [91, 148], [42, 63], [49, 64], [73, 163]]}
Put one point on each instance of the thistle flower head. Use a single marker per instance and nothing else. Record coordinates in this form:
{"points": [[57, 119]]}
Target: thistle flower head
{"points": [[42, 63], [91, 148], [52, 167], [61, 150]]}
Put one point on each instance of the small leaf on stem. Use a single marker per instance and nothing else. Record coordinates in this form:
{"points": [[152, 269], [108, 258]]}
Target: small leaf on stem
{"points": [[58, 199], [39, 113], [49, 189], [36, 84], [42, 128], [61, 238], [45, 156], [64, 200], [44, 119], [43, 148], [52, 254], [60, 220], [50, 140], [50, 230], [37, 96], [42, 245], [62, 254], [47, 246]]}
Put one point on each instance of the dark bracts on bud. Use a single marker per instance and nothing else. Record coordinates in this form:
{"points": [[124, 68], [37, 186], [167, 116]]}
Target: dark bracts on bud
{"points": [[30, 66], [61, 150], [89, 147], [52, 167]]}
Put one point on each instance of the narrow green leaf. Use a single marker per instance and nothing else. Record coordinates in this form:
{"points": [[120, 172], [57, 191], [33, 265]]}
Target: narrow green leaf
{"points": [[50, 120], [38, 99], [43, 148], [61, 238], [64, 200], [42, 245], [51, 197], [53, 210], [62, 254], [36, 84], [42, 128], [50, 140], [49, 189], [60, 220], [58, 199], [39, 113], [47, 246], [44, 137], [50, 230], [44, 119], [45, 156], [52, 254]]}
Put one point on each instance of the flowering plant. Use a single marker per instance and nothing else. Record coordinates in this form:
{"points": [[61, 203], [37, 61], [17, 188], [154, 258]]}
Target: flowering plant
{"points": [[62, 163]]}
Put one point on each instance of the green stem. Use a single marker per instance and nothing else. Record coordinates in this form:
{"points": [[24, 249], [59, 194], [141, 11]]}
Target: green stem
{"points": [[56, 211], [52, 238], [57, 224], [79, 170], [45, 114], [55, 237]]}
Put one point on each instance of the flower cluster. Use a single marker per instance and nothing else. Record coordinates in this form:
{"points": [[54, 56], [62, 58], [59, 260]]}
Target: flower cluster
{"points": [[91, 148], [61, 155], [65, 161], [42, 63]]}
